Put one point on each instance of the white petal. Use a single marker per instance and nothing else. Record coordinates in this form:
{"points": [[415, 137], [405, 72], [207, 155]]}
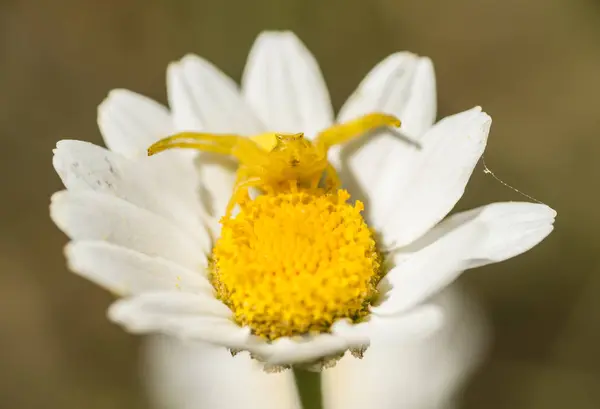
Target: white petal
{"points": [[283, 83], [124, 271], [403, 85], [199, 317], [355, 335], [202, 98], [424, 373], [466, 240], [186, 375], [418, 192], [167, 305], [84, 166], [217, 175], [421, 322], [131, 122], [307, 349], [89, 215]]}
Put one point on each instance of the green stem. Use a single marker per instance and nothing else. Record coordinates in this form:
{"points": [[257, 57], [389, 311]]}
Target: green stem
{"points": [[309, 388]]}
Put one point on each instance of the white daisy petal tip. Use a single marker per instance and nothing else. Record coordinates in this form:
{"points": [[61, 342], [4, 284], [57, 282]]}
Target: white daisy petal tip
{"points": [[59, 210], [67, 156], [473, 119], [512, 229], [75, 262], [78, 258], [60, 145], [203, 98], [172, 67], [56, 200], [489, 234], [117, 102], [120, 313], [116, 96], [112, 95], [88, 215], [282, 81], [402, 84], [124, 271], [176, 70], [195, 61], [395, 64], [475, 116], [184, 315], [284, 38], [130, 122]]}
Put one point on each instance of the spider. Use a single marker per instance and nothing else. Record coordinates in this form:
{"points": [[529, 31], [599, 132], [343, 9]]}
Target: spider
{"points": [[276, 162]]}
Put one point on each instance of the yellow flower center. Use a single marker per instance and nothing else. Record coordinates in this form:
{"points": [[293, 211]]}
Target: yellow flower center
{"points": [[293, 263]]}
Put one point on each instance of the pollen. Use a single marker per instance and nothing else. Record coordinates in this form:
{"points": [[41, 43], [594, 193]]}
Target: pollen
{"points": [[293, 263]]}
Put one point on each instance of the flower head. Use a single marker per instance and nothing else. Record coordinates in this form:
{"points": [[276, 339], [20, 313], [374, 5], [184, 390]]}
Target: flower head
{"points": [[303, 272]]}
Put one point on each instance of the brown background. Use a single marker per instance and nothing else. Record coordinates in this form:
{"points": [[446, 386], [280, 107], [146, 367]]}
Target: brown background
{"points": [[534, 65]]}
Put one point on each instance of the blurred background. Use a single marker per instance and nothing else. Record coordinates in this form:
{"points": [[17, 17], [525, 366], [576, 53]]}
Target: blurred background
{"points": [[534, 65]]}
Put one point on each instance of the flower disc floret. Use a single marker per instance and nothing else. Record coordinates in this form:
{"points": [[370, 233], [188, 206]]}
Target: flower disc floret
{"points": [[293, 263]]}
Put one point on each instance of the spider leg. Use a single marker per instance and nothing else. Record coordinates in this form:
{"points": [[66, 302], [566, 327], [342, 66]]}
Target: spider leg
{"points": [[332, 180], [314, 182], [223, 144], [347, 131], [241, 191]]}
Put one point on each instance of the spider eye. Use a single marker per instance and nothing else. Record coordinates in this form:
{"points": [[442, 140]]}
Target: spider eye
{"points": [[289, 137]]}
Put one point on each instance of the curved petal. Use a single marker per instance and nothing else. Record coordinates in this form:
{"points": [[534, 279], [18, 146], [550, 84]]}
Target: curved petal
{"points": [[84, 166], [421, 322], [186, 375], [194, 317], [466, 240], [283, 83], [202, 98], [89, 215], [125, 271], [422, 190], [131, 122], [402, 85], [143, 310], [285, 351], [412, 373]]}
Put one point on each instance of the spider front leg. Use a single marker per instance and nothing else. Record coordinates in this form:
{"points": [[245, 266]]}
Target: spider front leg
{"points": [[223, 144], [347, 131]]}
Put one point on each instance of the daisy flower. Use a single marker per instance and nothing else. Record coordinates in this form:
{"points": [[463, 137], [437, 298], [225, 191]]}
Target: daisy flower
{"points": [[296, 277]]}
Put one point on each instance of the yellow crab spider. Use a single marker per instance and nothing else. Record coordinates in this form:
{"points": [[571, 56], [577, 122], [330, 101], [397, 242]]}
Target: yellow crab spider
{"points": [[275, 162]]}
